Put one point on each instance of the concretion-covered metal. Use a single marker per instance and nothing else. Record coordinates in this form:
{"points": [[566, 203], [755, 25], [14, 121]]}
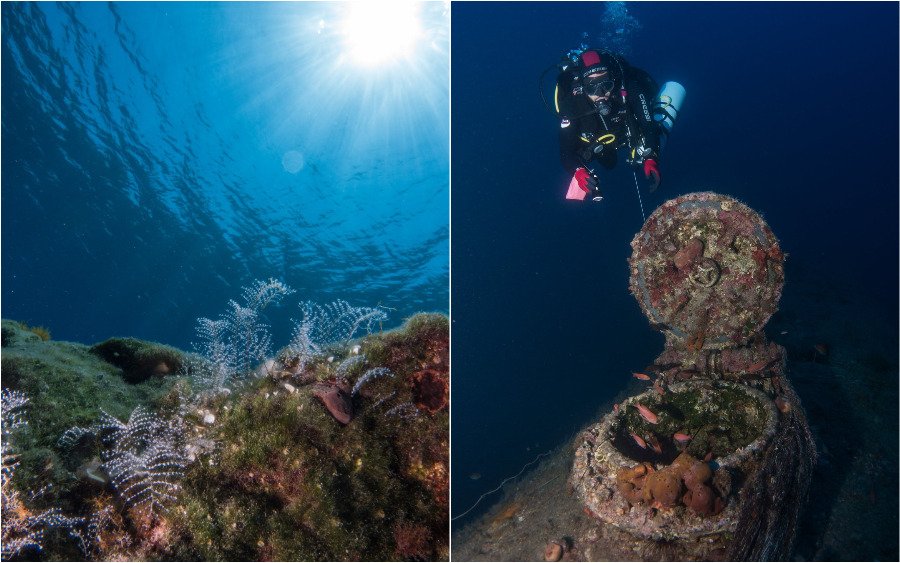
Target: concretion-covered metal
{"points": [[708, 272], [598, 459]]}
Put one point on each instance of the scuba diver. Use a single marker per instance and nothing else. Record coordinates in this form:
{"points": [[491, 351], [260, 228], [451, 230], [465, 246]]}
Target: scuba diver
{"points": [[603, 104]]}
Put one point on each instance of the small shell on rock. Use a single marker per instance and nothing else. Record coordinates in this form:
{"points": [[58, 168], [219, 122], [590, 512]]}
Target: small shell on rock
{"points": [[209, 418], [554, 551], [355, 349], [330, 359], [288, 387], [93, 472]]}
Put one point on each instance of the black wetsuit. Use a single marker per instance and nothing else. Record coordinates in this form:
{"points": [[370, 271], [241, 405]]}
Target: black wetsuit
{"points": [[581, 125]]}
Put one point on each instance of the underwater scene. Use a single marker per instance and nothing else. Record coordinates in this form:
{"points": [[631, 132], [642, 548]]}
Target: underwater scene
{"points": [[225, 281], [674, 281]]}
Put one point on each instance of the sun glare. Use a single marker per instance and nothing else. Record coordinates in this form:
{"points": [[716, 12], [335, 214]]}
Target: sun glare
{"points": [[364, 80], [377, 33]]}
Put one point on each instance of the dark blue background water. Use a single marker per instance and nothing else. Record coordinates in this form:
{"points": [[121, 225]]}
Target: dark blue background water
{"points": [[791, 108], [151, 165]]}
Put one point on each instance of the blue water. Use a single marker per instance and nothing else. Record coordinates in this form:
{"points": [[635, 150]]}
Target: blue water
{"points": [[159, 156], [791, 108]]}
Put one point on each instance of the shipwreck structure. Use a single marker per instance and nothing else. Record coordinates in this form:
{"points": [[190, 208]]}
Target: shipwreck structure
{"points": [[714, 460]]}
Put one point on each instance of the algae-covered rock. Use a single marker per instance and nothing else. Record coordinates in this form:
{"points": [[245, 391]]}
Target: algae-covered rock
{"points": [[14, 333], [140, 360], [67, 386], [269, 474], [60, 488], [287, 481]]}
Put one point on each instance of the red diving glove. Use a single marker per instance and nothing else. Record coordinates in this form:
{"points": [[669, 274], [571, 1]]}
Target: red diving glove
{"points": [[583, 183], [651, 172]]}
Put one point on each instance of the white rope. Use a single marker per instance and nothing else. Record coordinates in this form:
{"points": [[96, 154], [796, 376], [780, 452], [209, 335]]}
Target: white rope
{"points": [[500, 486], [643, 217]]}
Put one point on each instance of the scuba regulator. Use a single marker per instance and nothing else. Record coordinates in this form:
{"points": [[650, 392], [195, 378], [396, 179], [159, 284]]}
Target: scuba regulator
{"points": [[570, 63]]}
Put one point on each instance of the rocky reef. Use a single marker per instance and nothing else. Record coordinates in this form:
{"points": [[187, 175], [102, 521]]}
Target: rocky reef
{"points": [[263, 470]]}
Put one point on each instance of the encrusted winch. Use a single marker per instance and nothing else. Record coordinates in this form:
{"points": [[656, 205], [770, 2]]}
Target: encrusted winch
{"points": [[708, 272]]}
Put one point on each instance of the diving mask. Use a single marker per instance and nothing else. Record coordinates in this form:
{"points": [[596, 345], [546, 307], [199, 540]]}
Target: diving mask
{"points": [[601, 86]]}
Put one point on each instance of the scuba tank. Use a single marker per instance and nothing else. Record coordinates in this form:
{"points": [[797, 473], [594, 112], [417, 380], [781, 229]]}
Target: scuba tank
{"points": [[668, 104]]}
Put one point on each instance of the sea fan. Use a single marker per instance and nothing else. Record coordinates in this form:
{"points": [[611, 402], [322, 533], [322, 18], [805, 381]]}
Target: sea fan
{"points": [[219, 359], [339, 321], [263, 293], [11, 406], [73, 436], [369, 376], [233, 344], [301, 349], [146, 461], [248, 336], [322, 325], [349, 364], [23, 529]]}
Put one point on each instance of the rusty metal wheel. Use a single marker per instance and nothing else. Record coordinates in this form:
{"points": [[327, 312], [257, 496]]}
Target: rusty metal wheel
{"points": [[706, 270]]}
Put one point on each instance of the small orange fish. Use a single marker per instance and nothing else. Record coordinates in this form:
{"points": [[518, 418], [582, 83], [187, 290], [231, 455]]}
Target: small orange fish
{"points": [[783, 405], [682, 437], [654, 444], [708, 457], [640, 441], [615, 407], [758, 366], [821, 349], [641, 376], [647, 414]]}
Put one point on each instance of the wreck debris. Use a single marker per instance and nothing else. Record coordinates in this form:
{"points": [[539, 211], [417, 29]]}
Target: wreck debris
{"points": [[728, 265], [708, 272]]}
